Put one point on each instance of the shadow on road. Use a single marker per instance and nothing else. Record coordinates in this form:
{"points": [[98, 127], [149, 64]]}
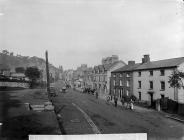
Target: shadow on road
{"points": [[6, 102], [19, 127]]}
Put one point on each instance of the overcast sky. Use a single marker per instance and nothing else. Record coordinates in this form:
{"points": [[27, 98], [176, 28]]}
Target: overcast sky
{"points": [[83, 31]]}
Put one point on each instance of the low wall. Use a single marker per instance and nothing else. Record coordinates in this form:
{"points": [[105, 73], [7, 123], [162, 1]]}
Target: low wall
{"points": [[14, 84]]}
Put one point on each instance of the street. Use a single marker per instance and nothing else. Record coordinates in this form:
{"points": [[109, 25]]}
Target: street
{"points": [[109, 119]]}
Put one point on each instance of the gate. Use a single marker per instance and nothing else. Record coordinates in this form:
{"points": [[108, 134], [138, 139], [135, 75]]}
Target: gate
{"points": [[163, 103]]}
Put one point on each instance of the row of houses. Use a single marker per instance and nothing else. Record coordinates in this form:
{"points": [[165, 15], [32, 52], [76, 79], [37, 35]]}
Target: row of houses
{"points": [[147, 80]]}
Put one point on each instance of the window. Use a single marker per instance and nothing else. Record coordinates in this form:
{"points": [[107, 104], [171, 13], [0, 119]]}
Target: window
{"points": [[121, 92], [139, 95], [120, 75], [162, 96], [127, 92], [151, 73], [151, 84], [114, 82], [114, 75], [139, 82], [162, 85], [139, 73], [128, 75], [120, 83], [128, 83], [114, 91], [162, 72]]}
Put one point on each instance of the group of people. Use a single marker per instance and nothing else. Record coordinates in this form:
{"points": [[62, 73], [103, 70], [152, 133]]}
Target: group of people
{"points": [[127, 103]]}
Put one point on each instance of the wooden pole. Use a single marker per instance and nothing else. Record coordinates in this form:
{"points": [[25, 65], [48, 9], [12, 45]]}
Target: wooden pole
{"points": [[47, 73]]}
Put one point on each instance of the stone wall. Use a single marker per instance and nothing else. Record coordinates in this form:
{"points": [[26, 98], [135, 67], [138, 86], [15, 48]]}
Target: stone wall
{"points": [[14, 84]]}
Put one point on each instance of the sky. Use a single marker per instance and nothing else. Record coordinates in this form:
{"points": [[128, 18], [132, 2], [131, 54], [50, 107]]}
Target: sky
{"points": [[79, 32]]}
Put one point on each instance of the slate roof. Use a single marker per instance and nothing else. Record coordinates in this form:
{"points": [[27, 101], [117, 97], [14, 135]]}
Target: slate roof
{"points": [[166, 63], [108, 66], [127, 68]]}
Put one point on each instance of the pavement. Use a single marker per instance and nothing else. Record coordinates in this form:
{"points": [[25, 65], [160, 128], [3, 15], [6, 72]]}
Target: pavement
{"points": [[144, 109], [17, 118]]}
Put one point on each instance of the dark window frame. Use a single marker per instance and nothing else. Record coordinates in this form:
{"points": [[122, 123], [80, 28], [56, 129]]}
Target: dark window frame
{"points": [[139, 84], [151, 84], [162, 72], [151, 72], [139, 73], [162, 85]]}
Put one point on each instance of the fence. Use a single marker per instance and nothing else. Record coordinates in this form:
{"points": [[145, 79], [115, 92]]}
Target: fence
{"points": [[171, 106]]}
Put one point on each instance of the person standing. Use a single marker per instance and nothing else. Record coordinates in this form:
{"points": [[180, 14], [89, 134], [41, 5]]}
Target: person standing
{"points": [[122, 101], [131, 104], [115, 101], [96, 95]]}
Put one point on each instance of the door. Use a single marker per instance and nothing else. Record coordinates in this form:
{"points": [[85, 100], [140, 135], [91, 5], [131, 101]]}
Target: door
{"points": [[151, 96]]}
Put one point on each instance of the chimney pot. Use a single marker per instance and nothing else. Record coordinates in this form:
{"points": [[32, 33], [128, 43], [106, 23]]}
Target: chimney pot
{"points": [[146, 58], [131, 62]]}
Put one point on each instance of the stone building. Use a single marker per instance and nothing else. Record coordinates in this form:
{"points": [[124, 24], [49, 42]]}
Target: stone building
{"points": [[102, 74]]}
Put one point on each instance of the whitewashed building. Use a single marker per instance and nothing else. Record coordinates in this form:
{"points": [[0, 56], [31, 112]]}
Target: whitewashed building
{"points": [[150, 79]]}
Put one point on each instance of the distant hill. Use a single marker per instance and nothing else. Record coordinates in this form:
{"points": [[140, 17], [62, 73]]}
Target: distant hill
{"points": [[25, 61]]}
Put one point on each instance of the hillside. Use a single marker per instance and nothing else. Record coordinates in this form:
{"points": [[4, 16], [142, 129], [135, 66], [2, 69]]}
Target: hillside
{"points": [[25, 61]]}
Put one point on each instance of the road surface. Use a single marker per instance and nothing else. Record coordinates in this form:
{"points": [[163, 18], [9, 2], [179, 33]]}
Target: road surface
{"points": [[109, 119]]}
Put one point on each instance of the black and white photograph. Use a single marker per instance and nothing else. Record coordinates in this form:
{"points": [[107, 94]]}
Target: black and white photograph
{"points": [[91, 69]]}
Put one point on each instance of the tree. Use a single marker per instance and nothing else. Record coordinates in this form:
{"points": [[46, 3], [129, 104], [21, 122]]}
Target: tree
{"points": [[11, 54], [33, 74], [175, 80], [19, 69], [5, 52]]}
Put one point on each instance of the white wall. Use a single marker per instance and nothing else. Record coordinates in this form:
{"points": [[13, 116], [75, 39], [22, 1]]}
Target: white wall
{"points": [[156, 78]]}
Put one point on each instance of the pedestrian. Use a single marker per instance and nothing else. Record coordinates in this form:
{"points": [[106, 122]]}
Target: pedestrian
{"points": [[115, 101], [122, 102], [96, 95], [108, 99], [131, 104]]}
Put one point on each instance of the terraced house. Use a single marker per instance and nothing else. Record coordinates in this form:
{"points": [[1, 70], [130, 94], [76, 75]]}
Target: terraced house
{"points": [[150, 79], [102, 74], [122, 80]]}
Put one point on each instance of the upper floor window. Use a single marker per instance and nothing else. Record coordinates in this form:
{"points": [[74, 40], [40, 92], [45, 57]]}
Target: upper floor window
{"points": [[162, 83], [114, 82], [127, 92], [120, 83], [128, 83], [162, 72], [139, 73], [151, 84], [120, 75], [151, 73], [114, 75], [114, 91], [128, 75], [139, 82]]}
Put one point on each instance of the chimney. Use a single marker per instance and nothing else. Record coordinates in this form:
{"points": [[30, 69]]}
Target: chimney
{"points": [[143, 60], [131, 62], [146, 58]]}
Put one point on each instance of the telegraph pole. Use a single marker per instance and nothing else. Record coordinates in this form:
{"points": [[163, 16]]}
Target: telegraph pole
{"points": [[48, 75]]}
